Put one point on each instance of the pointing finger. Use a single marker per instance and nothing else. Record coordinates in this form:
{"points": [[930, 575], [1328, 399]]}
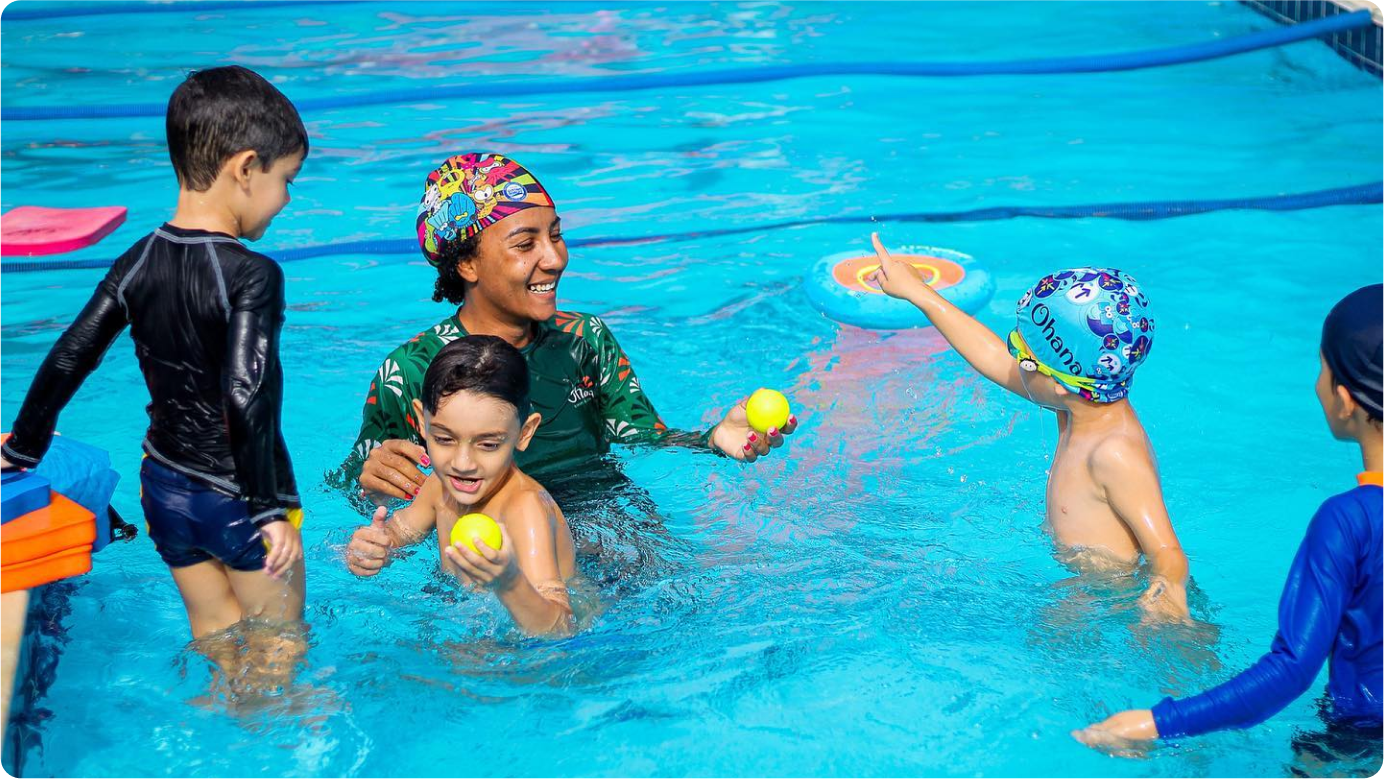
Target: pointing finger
{"points": [[882, 252]]}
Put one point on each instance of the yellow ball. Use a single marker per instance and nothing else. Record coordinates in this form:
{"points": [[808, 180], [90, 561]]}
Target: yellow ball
{"points": [[767, 408], [480, 526]]}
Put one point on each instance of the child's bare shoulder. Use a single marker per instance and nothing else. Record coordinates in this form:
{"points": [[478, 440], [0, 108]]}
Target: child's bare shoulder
{"points": [[532, 503], [1120, 454]]}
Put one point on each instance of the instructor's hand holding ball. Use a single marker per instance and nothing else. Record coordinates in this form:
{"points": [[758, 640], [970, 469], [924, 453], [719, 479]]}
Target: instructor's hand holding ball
{"points": [[755, 425]]}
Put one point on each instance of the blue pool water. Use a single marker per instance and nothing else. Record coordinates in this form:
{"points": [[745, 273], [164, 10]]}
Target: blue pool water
{"points": [[881, 600]]}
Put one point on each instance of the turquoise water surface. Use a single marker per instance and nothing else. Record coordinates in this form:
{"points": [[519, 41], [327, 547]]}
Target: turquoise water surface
{"points": [[881, 597]]}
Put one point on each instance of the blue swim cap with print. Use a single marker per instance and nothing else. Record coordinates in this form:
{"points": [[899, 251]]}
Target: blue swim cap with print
{"points": [[1090, 327]]}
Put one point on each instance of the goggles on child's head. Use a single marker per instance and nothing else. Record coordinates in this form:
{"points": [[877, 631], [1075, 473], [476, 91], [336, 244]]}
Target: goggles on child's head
{"points": [[1029, 363]]}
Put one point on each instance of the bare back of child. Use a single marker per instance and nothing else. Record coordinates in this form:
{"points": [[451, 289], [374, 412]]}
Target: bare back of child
{"points": [[476, 415], [1080, 335]]}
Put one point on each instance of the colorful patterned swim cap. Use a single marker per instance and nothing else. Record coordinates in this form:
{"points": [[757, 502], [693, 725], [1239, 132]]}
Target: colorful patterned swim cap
{"points": [[470, 192], [1092, 327]]}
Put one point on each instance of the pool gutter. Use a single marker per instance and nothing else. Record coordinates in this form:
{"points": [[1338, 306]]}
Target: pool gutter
{"points": [[1362, 48]]}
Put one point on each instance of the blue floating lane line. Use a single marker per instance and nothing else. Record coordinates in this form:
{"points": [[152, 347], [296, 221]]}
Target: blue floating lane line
{"points": [[129, 8], [24, 14], [1363, 194], [1263, 39]]}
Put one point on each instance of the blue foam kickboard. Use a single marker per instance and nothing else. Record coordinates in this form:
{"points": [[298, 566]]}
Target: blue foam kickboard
{"points": [[82, 473], [21, 493], [103, 531]]}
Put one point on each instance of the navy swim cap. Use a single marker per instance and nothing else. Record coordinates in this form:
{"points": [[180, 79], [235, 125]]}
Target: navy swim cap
{"points": [[1353, 346]]}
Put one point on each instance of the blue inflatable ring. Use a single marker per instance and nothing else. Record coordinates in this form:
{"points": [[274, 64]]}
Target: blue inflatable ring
{"points": [[836, 285]]}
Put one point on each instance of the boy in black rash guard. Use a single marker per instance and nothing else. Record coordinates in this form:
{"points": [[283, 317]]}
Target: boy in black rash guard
{"points": [[205, 314]]}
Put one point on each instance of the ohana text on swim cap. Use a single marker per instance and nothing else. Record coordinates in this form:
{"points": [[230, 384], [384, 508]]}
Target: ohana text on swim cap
{"points": [[1091, 326], [470, 192]]}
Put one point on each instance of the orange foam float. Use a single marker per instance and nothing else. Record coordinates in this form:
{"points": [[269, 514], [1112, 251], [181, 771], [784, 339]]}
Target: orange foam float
{"points": [[854, 272], [51, 540], [839, 286]]}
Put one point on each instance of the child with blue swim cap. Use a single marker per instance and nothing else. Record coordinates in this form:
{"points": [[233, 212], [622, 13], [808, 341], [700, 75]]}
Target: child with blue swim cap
{"points": [[1080, 336], [1085, 328]]}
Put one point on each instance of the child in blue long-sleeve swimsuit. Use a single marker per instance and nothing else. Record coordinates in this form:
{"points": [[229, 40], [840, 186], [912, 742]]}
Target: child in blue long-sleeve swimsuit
{"points": [[1331, 606]]}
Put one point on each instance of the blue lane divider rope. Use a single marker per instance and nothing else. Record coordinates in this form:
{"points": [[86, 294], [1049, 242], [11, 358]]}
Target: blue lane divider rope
{"points": [[23, 14], [1363, 194], [1263, 39], [211, 6]]}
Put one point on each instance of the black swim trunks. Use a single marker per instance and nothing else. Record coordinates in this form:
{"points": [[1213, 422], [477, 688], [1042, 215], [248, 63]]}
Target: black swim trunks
{"points": [[192, 523]]}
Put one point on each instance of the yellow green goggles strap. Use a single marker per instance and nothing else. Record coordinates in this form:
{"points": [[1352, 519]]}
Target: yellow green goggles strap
{"points": [[1022, 353]]}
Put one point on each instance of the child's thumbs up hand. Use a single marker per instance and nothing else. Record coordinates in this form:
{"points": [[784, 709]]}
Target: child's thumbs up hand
{"points": [[368, 551], [895, 278]]}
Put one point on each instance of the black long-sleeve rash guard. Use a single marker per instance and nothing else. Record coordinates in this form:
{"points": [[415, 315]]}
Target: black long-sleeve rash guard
{"points": [[205, 314]]}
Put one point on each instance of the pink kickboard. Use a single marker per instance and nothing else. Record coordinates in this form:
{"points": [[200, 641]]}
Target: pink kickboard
{"points": [[27, 231]]}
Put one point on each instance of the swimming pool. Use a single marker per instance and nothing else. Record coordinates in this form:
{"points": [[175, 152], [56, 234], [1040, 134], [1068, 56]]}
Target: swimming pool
{"points": [[882, 601]]}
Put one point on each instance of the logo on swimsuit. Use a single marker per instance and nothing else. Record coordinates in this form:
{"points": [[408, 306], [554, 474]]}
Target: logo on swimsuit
{"points": [[579, 395]]}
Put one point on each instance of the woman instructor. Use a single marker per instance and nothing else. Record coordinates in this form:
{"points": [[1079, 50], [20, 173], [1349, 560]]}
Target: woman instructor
{"points": [[494, 235]]}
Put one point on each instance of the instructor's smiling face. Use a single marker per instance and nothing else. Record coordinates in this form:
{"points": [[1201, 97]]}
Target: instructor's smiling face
{"points": [[518, 264]]}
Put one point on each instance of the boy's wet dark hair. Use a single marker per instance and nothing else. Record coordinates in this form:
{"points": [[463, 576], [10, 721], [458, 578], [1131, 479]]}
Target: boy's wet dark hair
{"points": [[219, 112], [482, 364], [450, 286], [1353, 347]]}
